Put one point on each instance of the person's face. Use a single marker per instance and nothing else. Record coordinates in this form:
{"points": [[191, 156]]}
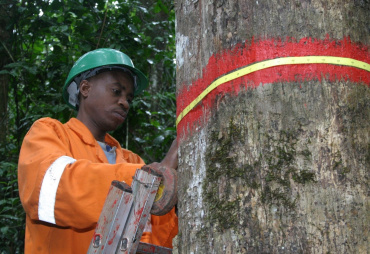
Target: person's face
{"points": [[107, 99]]}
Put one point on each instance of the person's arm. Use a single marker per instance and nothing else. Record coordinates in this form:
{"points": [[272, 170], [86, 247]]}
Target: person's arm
{"points": [[55, 187], [171, 158]]}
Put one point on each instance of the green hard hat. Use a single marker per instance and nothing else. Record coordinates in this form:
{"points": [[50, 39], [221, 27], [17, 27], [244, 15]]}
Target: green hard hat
{"points": [[101, 58]]}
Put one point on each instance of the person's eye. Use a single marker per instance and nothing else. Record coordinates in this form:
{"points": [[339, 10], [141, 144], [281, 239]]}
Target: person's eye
{"points": [[116, 91]]}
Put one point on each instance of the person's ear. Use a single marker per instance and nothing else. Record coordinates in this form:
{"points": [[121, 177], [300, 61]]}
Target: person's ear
{"points": [[85, 87]]}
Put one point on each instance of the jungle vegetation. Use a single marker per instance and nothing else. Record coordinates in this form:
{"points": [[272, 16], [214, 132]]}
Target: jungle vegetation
{"points": [[39, 42]]}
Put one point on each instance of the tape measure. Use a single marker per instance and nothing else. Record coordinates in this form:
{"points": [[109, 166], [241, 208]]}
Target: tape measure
{"points": [[159, 194], [271, 63]]}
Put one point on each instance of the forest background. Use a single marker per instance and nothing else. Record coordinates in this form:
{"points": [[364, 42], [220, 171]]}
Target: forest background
{"points": [[39, 42]]}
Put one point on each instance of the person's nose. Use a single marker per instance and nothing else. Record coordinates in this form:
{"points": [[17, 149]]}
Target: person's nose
{"points": [[124, 102]]}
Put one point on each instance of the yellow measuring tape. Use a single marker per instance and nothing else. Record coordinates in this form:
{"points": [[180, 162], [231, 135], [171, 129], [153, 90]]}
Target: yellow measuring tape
{"points": [[271, 63]]}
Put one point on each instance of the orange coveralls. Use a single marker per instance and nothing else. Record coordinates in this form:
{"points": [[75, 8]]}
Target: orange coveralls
{"points": [[64, 178]]}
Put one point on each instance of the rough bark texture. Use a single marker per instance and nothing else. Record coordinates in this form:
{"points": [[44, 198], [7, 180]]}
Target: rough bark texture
{"points": [[207, 27], [284, 167]]}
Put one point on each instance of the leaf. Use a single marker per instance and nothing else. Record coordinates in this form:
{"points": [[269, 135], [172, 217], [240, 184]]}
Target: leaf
{"points": [[143, 9], [137, 39], [162, 7], [158, 140], [139, 140], [14, 65], [7, 216], [4, 230], [63, 28], [155, 123], [73, 15], [132, 28], [3, 72]]}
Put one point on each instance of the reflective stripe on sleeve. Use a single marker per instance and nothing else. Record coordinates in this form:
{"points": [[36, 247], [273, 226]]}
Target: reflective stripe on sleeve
{"points": [[49, 188]]}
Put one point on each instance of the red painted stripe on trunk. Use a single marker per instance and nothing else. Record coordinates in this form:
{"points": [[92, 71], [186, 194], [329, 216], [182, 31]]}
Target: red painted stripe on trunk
{"points": [[256, 51]]}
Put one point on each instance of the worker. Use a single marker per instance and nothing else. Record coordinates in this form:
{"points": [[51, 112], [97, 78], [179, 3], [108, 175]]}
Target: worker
{"points": [[65, 170]]}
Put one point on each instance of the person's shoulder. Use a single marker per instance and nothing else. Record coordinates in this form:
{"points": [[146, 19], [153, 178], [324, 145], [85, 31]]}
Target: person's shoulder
{"points": [[48, 121], [46, 125]]}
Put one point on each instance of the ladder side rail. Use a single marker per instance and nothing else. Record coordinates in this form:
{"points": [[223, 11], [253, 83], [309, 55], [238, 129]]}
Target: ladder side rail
{"points": [[144, 190], [112, 219]]}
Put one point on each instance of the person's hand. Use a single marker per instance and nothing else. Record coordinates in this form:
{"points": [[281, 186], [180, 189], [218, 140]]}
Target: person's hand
{"points": [[166, 169]]}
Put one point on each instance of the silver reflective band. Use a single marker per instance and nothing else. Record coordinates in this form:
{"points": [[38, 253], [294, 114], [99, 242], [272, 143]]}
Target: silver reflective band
{"points": [[49, 188]]}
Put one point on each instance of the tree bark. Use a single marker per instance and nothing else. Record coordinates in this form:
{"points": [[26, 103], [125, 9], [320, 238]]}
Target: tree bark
{"points": [[273, 166]]}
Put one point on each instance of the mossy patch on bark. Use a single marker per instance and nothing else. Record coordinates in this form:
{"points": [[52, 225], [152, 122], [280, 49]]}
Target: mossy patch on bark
{"points": [[271, 175], [221, 168]]}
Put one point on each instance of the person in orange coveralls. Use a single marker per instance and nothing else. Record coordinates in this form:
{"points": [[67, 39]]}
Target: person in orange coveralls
{"points": [[65, 170]]}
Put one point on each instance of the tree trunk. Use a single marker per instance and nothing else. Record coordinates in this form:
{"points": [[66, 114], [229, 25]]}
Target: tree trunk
{"points": [[277, 160]]}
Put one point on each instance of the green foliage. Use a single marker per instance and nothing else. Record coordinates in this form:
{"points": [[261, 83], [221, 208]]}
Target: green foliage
{"points": [[46, 37], [11, 211], [151, 125]]}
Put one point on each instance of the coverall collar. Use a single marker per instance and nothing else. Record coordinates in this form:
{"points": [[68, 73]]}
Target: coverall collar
{"points": [[86, 136]]}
